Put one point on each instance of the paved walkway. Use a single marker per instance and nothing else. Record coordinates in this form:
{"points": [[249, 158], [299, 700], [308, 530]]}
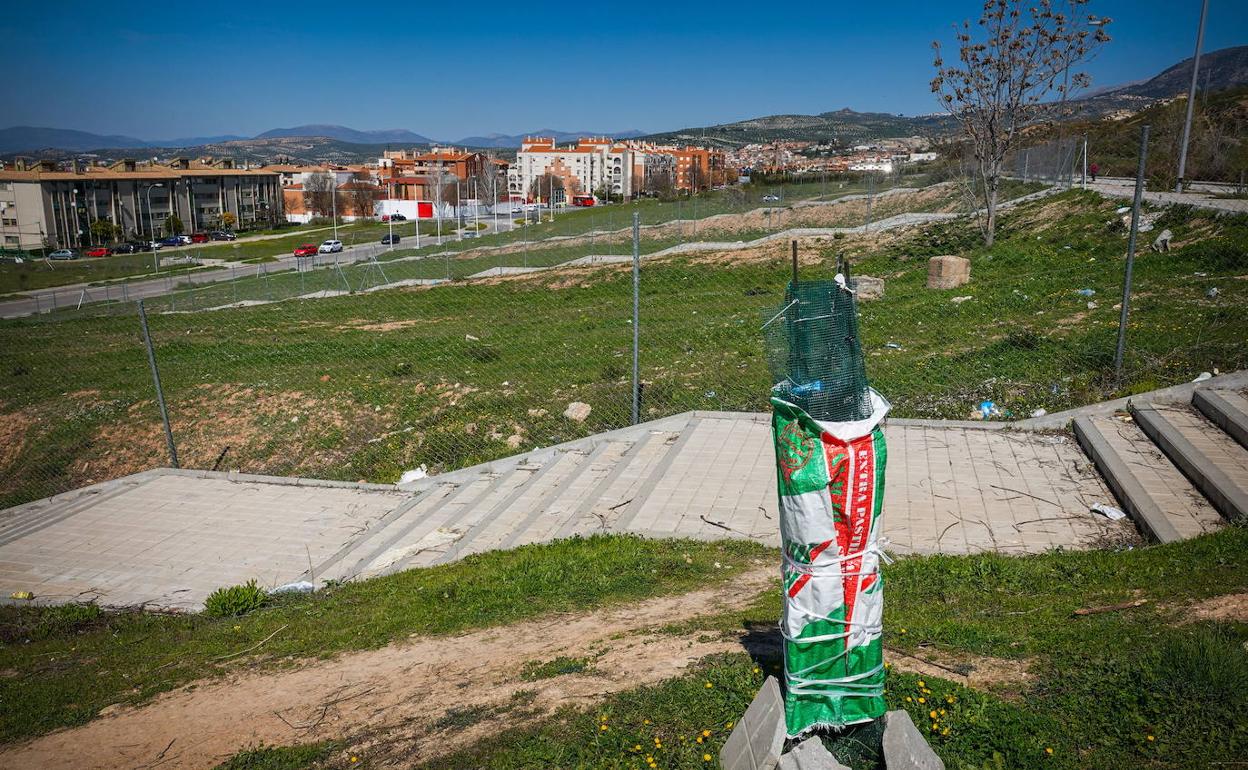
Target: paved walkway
{"points": [[1125, 188], [168, 538]]}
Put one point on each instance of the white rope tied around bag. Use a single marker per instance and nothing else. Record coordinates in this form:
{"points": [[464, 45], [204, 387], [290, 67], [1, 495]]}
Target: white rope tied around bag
{"points": [[799, 684]]}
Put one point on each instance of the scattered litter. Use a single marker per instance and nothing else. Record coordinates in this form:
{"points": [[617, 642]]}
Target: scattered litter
{"points": [[1122, 209], [1039, 412], [298, 587], [1200, 275], [1203, 376], [1109, 511], [1086, 292], [295, 418], [415, 474], [988, 409], [1213, 292], [709, 394], [960, 300], [22, 595], [1066, 247], [470, 338], [892, 345], [1092, 306]]}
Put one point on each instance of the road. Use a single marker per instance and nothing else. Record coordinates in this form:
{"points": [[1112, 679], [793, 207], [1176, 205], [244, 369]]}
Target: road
{"points": [[1122, 187]]}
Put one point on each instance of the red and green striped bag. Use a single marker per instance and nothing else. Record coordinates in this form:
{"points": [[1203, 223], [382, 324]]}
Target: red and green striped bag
{"points": [[831, 482]]}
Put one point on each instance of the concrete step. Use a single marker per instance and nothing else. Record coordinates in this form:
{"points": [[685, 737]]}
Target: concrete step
{"points": [[1161, 501], [1212, 460], [1228, 409]]}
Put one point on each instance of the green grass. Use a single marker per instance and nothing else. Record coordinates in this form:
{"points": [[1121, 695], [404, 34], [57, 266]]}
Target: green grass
{"points": [[1101, 684], [547, 669], [397, 381], [283, 757], [64, 664]]}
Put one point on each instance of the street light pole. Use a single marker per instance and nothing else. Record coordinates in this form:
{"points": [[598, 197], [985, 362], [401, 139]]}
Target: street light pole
{"points": [[333, 197], [1191, 97], [151, 225]]}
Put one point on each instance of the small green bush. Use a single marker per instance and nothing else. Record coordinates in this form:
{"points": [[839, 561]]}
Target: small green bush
{"points": [[235, 600]]}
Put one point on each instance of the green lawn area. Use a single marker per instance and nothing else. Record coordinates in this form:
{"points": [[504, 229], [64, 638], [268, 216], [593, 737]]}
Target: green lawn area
{"points": [[64, 664], [1146, 687], [365, 386], [1153, 685]]}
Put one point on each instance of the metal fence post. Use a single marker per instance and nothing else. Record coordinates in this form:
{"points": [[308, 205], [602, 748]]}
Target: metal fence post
{"points": [[160, 393], [1135, 229], [636, 316]]}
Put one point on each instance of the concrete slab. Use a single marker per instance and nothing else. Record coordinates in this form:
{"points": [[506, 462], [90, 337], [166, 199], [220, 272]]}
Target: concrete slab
{"points": [[758, 737]]}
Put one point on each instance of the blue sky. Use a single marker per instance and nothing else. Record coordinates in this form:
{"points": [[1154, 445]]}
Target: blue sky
{"points": [[448, 70]]}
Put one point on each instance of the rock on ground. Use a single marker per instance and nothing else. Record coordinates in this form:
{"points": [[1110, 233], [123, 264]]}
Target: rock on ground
{"points": [[868, 287], [905, 748], [810, 754], [758, 737], [948, 272], [577, 411]]}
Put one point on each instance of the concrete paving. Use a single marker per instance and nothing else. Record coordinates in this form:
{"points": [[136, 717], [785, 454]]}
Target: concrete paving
{"points": [[167, 538]]}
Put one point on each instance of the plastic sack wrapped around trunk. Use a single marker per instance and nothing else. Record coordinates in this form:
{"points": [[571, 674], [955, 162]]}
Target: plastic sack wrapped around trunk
{"points": [[830, 458]]}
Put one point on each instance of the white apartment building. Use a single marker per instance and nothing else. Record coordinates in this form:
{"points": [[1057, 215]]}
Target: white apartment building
{"points": [[590, 167]]}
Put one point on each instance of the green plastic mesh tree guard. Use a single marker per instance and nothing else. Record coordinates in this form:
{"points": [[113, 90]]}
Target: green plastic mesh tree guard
{"points": [[814, 353], [830, 458]]}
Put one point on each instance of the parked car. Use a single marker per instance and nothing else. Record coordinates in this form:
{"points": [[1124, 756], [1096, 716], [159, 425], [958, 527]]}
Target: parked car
{"points": [[173, 240], [330, 247], [128, 248], [100, 251], [397, 218], [199, 237], [222, 235], [154, 246], [391, 238], [306, 250], [185, 239], [63, 254], [470, 233], [771, 197]]}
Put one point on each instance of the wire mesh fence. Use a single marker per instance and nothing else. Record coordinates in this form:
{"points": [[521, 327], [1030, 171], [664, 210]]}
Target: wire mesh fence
{"points": [[370, 363]]}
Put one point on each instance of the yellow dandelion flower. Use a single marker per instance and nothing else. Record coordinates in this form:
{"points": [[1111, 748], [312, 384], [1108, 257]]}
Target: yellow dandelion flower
{"points": [[922, 700], [945, 731], [699, 739], [706, 733], [1048, 750], [637, 747], [922, 683], [728, 725], [1151, 738], [934, 727], [932, 713], [909, 699], [709, 685], [706, 757], [756, 669], [602, 728], [950, 699], [646, 722]]}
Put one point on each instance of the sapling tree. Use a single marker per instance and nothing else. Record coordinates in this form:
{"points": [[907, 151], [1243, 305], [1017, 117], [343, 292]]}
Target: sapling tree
{"points": [[1012, 72]]}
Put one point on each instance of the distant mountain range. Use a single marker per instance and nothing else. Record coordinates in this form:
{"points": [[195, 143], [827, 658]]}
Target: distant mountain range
{"points": [[35, 138], [1219, 70]]}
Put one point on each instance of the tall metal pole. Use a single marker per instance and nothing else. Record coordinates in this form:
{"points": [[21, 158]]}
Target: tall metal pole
{"points": [[1135, 229], [333, 184], [160, 393], [1084, 182], [1191, 97], [636, 316]]}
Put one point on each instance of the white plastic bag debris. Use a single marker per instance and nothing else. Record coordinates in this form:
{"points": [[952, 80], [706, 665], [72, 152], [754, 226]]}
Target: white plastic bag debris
{"points": [[415, 474], [1203, 376], [1109, 511], [298, 587], [1039, 412]]}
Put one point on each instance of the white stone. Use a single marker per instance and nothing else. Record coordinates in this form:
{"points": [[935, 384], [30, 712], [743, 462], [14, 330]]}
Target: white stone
{"points": [[905, 748], [810, 754], [758, 737], [578, 411]]}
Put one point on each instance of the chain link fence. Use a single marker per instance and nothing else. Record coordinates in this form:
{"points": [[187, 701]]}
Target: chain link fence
{"points": [[377, 361]]}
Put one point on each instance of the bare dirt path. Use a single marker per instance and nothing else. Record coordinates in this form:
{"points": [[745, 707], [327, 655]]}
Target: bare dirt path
{"points": [[405, 690]]}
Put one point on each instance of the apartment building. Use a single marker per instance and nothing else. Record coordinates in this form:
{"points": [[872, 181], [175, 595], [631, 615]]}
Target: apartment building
{"points": [[462, 164], [598, 165], [44, 206]]}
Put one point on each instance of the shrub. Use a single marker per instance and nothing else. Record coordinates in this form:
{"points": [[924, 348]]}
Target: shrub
{"points": [[235, 600]]}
